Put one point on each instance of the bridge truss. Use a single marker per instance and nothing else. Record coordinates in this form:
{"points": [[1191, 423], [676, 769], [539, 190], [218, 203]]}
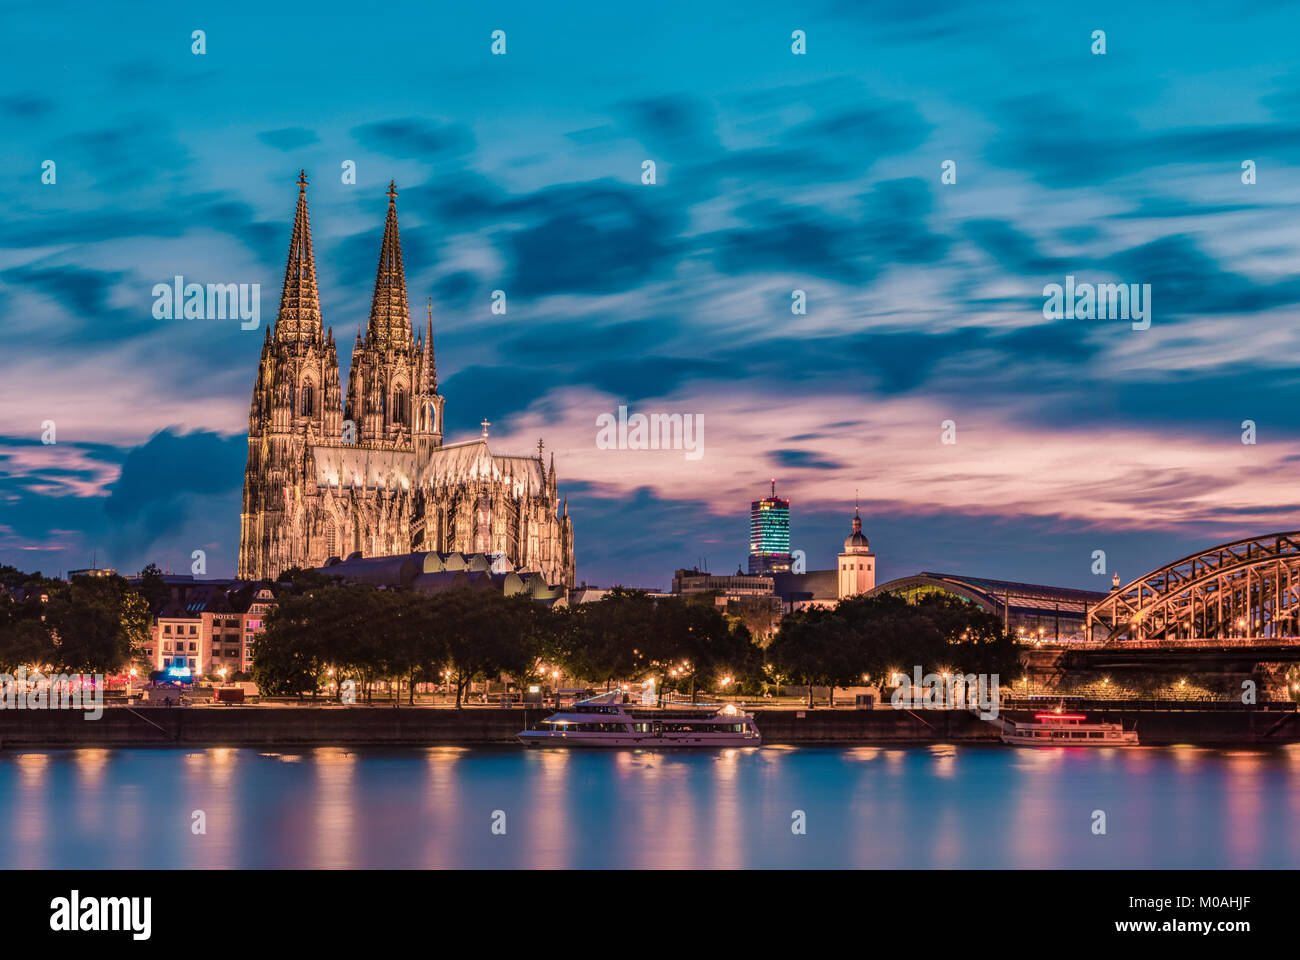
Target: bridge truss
{"points": [[1248, 590]]}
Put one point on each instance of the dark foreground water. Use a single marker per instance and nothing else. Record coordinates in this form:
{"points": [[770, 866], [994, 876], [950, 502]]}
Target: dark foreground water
{"points": [[941, 806]]}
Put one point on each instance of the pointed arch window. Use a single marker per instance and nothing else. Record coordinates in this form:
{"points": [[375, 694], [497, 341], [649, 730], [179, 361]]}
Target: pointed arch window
{"points": [[401, 406], [308, 399]]}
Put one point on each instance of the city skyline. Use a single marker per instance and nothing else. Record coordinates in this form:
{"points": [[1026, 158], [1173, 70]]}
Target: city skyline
{"points": [[776, 172]]}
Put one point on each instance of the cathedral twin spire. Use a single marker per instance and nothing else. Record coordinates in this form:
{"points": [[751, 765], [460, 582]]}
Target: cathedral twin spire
{"points": [[300, 314], [390, 318], [389, 325], [300, 317]]}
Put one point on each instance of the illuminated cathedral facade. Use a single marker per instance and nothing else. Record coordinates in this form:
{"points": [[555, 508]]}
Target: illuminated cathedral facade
{"points": [[335, 475]]}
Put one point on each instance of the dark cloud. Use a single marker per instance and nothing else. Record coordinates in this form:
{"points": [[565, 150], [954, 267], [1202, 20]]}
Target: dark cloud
{"points": [[894, 223], [1011, 249], [455, 289], [636, 377], [168, 484], [804, 459], [675, 127], [171, 466], [26, 106], [1169, 208], [1185, 281], [792, 240], [288, 138], [415, 138], [89, 317], [132, 154], [611, 341], [352, 261], [865, 133], [81, 291], [591, 238], [1044, 135], [494, 393]]}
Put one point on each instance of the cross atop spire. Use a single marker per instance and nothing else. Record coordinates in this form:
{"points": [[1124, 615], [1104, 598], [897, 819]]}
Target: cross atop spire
{"points": [[299, 317], [390, 319], [485, 424]]}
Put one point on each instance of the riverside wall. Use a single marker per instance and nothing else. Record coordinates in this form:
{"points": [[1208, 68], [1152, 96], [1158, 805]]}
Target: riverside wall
{"points": [[265, 726]]}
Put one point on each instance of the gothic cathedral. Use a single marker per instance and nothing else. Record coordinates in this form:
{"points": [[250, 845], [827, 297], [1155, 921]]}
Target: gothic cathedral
{"points": [[330, 476]]}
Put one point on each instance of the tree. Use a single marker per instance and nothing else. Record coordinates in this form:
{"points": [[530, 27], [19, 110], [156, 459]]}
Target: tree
{"points": [[294, 651], [704, 643], [816, 647], [305, 580], [25, 637], [99, 624], [152, 587], [486, 634], [610, 639]]}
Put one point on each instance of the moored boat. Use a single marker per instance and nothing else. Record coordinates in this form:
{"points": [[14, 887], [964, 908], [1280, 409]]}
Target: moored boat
{"points": [[606, 721], [1070, 730]]}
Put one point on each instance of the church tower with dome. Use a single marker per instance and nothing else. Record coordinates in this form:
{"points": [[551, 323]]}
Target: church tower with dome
{"points": [[857, 564]]}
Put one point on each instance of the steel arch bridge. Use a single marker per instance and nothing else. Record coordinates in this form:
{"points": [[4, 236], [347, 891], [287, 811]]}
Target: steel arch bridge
{"points": [[1245, 592]]}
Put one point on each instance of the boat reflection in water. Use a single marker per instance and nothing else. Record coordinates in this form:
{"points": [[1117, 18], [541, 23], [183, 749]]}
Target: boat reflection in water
{"points": [[606, 721]]}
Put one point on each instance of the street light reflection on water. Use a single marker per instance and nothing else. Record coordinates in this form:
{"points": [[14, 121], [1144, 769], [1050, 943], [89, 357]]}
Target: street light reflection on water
{"points": [[947, 805]]}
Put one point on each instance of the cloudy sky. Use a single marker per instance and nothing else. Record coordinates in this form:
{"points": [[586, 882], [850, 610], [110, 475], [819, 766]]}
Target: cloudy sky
{"points": [[775, 172]]}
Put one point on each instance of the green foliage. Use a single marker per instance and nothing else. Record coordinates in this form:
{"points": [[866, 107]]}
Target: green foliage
{"points": [[25, 638], [473, 635], [91, 625], [868, 637], [152, 588], [366, 635]]}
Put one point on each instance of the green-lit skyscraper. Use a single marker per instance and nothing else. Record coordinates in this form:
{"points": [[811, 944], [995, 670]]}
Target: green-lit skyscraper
{"points": [[769, 534]]}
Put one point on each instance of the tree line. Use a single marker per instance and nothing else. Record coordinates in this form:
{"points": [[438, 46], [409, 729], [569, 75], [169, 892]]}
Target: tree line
{"points": [[87, 625], [320, 634], [864, 640]]}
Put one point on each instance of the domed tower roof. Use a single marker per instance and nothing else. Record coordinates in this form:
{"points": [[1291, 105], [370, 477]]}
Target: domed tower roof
{"points": [[856, 542]]}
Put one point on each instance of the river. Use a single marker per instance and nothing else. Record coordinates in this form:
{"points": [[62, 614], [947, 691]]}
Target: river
{"points": [[971, 806]]}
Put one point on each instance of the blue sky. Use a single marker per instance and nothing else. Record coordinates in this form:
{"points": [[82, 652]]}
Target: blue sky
{"points": [[775, 172]]}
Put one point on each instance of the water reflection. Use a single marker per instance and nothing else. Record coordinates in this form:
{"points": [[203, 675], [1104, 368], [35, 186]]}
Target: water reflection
{"points": [[961, 806]]}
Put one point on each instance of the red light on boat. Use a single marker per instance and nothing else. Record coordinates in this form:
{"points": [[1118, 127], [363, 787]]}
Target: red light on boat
{"points": [[1059, 716]]}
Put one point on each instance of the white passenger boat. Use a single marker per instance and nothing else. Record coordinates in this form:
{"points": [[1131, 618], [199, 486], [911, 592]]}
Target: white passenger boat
{"points": [[606, 721], [1067, 729]]}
